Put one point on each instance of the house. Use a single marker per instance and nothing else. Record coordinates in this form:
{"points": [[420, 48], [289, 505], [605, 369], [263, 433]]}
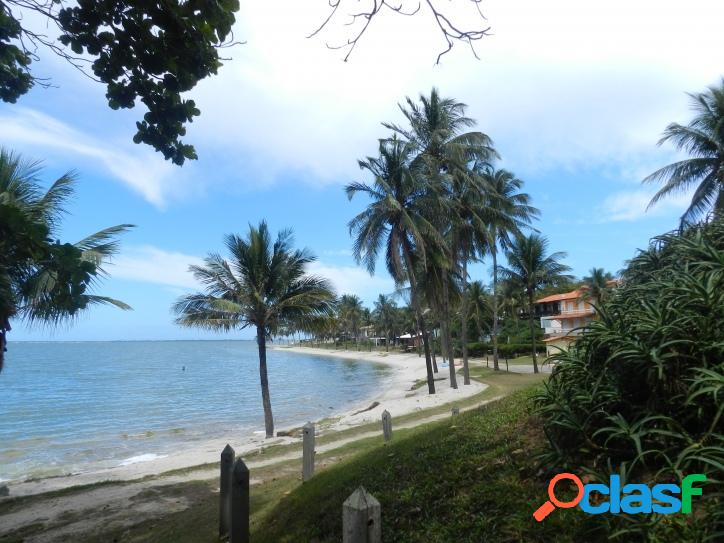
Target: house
{"points": [[410, 341], [562, 316]]}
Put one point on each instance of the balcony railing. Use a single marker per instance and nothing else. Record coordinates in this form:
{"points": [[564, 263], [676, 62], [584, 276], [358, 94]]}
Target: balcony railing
{"points": [[550, 332]]}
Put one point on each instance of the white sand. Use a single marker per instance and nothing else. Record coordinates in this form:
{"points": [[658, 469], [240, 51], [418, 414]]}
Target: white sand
{"points": [[395, 395]]}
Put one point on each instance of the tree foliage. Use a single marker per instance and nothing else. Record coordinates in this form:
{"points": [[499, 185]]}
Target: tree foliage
{"points": [[151, 52], [41, 278], [703, 139]]}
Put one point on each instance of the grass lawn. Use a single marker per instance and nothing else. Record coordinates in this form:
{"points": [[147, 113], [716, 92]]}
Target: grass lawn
{"points": [[475, 480]]}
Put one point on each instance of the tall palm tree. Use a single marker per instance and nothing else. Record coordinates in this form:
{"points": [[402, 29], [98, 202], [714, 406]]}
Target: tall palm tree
{"points": [[597, 285], [480, 306], [512, 303], [42, 279], [703, 139], [396, 220], [471, 235], [385, 314], [351, 312], [264, 285], [444, 149], [511, 214], [530, 268]]}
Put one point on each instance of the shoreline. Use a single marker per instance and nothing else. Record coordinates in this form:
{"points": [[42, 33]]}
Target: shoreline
{"points": [[396, 394]]}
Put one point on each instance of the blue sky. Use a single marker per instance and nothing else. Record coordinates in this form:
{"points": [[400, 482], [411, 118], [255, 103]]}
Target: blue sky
{"points": [[574, 94]]}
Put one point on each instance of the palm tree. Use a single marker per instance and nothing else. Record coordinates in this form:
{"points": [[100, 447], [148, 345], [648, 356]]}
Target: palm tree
{"points": [[351, 313], [512, 303], [385, 313], [394, 219], [42, 279], [471, 236], [264, 285], [597, 285], [703, 139], [444, 147], [480, 306], [530, 269], [511, 213]]}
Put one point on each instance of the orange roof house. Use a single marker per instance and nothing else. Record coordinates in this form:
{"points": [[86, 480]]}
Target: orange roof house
{"points": [[562, 317]]}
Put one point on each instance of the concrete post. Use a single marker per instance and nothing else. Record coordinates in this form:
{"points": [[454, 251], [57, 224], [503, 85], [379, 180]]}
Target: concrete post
{"points": [[226, 469], [361, 518], [387, 425], [239, 504], [308, 451]]}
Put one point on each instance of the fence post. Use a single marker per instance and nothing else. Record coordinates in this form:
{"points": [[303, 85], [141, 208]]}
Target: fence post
{"points": [[239, 504], [307, 451], [361, 518], [226, 468], [387, 425]]}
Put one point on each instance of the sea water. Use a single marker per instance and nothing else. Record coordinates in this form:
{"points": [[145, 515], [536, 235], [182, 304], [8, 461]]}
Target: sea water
{"points": [[70, 407]]}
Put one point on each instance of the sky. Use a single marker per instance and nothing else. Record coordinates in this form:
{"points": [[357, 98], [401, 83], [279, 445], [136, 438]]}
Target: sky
{"points": [[575, 96]]}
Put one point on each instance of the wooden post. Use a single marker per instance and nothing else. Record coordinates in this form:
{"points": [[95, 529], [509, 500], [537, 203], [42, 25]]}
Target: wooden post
{"points": [[307, 451], [361, 518], [387, 425], [239, 504], [227, 467]]}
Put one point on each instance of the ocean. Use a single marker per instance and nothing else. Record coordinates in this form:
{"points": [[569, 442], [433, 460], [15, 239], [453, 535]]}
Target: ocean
{"points": [[73, 407]]}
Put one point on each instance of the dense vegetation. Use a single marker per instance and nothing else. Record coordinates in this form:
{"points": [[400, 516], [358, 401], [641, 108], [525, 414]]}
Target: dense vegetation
{"points": [[642, 392]]}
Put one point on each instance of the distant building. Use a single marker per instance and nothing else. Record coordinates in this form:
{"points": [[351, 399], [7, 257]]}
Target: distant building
{"points": [[562, 316], [410, 341]]}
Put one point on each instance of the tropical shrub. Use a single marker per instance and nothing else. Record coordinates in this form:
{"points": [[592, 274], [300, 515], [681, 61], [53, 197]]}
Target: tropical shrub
{"points": [[641, 393], [509, 350]]}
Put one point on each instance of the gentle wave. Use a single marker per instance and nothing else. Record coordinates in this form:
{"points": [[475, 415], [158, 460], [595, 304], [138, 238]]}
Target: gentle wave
{"points": [[90, 405], [141, 458]]}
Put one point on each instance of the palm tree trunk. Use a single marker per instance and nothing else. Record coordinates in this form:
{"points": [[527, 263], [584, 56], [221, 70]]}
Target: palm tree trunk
{"points": [[431, 344], [446, 331], [464, 327], [420, 321], [494, 331], [265, 399], [434, 358], [4, 329], [532, 331]]}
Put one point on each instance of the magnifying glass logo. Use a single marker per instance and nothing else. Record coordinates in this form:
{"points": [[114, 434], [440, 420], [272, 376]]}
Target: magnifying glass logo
{"points": [[547, 508]]}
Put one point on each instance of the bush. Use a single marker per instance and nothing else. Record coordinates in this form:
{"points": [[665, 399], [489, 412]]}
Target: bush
{"points": [[511, 350], [641, 392]]}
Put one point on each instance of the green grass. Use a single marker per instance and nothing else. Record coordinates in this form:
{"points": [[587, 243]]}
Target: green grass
{"points": [[475, 481]]}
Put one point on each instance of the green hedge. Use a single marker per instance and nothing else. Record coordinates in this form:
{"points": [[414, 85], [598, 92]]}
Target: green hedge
{"points": [[511, 350]]}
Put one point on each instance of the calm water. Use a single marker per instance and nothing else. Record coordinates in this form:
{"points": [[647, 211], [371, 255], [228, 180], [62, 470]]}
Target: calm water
{"points": [[70, 407]]}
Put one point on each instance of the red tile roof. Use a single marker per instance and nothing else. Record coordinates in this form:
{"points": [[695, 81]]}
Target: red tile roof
{"points": [[573, 295]]}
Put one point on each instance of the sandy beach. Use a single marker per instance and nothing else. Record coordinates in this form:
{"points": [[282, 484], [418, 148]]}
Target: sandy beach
{"points": [[395, 395]]}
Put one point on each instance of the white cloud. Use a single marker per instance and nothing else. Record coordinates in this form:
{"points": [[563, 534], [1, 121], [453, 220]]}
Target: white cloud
{"points": [[150, 264], [353, 280], [144, 172], [559, 84], [631, 205]]}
